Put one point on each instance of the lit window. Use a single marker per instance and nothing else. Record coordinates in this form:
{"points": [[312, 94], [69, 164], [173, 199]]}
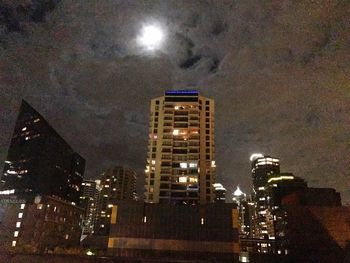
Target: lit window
{"points": [[66, 236], [25, 128], [183, 179], [202, 221], [176, 132], [14, 243], [192, 165], [39, 206], [20, 215], [22, 206], [54, 209], [15, 234], [153, 162], [36, 120], [144, 219], [183, 165], [110, 206], [18, 224]]}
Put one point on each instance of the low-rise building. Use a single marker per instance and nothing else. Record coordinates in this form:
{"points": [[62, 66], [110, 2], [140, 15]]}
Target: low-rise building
{"points": [[174, 232], [41, 224]]}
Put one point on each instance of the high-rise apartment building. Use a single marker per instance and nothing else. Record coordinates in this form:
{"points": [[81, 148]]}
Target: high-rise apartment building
{"points": [[89, 201], [263, 168], [117, 183], [181, 151], [40, 161]]}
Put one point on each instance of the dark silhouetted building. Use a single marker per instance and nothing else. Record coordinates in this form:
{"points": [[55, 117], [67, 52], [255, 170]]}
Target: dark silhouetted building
{"points": [[174, 232], [39, 160]]}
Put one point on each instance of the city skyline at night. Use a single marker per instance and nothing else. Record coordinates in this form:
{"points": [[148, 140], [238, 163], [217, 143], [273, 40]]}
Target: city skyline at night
{"points": [[278, 72]]}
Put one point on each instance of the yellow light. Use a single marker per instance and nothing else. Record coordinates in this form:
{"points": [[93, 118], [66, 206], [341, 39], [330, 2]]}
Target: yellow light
{"points": [[283, 177]]}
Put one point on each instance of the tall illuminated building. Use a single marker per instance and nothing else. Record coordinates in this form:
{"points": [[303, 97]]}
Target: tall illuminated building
{"points": [[89, 201], [39, 161], [181, 151], [263, 168]]}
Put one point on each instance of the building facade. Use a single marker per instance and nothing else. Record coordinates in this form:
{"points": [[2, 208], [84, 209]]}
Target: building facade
{"points": [[89, 201], [174, 233], [263, 168], [39, 160], [181, 150], [117, 183], [40, 224]]}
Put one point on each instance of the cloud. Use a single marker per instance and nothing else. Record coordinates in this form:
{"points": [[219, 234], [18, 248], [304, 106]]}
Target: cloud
{"points": [[278, 72]]}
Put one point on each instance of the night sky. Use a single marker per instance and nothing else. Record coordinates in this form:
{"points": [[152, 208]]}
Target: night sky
{"points": [[279, 72]]}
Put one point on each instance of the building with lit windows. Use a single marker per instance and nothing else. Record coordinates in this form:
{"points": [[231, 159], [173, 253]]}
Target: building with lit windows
{"points": [[220, 193], [263, 168], [89, 201], [41, 224], [40, 161], [117, 183], [181, 150]]}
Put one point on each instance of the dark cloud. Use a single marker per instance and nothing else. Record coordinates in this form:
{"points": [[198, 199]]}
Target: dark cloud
{"points": [[278, 71], [190, 61]]}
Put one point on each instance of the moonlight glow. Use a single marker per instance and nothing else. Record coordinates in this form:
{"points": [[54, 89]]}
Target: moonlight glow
{"points": [[151, 37]]}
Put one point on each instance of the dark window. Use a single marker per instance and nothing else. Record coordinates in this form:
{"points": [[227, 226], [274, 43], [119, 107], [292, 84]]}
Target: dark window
{"points": [[206, 108], [207, 102], [157, 102], [206, 114]]}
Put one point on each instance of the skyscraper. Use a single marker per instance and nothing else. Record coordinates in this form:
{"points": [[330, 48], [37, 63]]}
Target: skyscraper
{"points": [[40, 161], [117, 183], [181, 151], [89, 200], [263, 168]]}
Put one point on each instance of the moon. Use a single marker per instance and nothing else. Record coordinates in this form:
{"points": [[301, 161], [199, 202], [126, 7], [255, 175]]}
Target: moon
{"points": [[151, 37]]}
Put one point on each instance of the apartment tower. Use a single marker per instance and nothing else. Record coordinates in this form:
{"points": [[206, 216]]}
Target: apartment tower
{"points": [[181, 151]]}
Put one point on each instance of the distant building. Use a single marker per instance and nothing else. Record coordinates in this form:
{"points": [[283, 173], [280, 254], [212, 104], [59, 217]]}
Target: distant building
{"points": [[220, 193], [263, 167], [40, 224], [311, 196], [117, 183], [89, 201], [39, 160], [277, 188], [181, 151], [174, 233], [246, 209]]}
